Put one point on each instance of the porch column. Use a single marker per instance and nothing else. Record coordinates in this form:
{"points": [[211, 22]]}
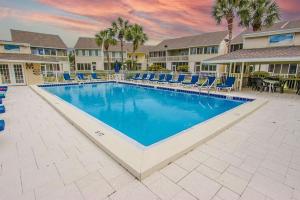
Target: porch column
{"points": [[242, 75], [230, 69]]}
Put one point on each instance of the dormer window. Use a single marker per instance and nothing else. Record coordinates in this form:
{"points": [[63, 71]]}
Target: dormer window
{"points": [[281, 38]]}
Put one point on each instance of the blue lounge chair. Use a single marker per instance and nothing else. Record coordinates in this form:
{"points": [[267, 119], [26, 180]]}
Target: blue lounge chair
{"points": [[179, 80], [137, 75], [142, 78], [2, 95], [193, 81], [2, 109], [3, 88], [167, 79], [208, 83], [95, 77], [67, 77], [150, 77], [0, 101], [160, 78], [2, 125], [229, 83], [81, 77]]}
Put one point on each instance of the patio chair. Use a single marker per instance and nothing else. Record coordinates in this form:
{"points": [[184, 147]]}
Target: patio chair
{"points": [[2, 109], [67, 77], [209, 83], [179, 80], [280, 85], [137, 75], [81, 77], [229, 83], [94, 76], [193, 81], [150, 77], [160, 78], [142, 78], [167, 78], [2, 125]]}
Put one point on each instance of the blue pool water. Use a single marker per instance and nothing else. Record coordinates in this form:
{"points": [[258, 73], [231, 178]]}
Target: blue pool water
{"points": [[146, 115]]}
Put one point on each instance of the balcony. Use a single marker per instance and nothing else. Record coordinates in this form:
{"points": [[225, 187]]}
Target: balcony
{"points": [[178, 58], [157, 59]]}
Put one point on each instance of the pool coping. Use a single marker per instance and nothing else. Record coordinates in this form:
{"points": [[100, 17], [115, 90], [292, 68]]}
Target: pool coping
{"points": [[141, 162]]}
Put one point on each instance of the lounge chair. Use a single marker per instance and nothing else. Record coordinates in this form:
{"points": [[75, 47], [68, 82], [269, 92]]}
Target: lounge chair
{"points": [[2, 125], [179, 80], [229, 83], [94, 76], [1, 101], [150, 77], [160, 78], [137, 75], [3, 88], [167, 78], [67, 77], [142, 78], [2, 95], [2, 109], [81, 77], [193, 81], [209, 83]]}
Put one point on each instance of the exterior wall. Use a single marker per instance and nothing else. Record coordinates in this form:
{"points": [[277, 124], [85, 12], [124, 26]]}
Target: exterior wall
{"points": [[90, 59], [33, 76], [23, 49], [263, 42], [140, 58]]}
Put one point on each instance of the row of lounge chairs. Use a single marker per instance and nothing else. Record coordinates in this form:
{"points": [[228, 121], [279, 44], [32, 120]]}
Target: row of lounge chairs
{"points": [[209, 83], [3, 90], [81, 77]]}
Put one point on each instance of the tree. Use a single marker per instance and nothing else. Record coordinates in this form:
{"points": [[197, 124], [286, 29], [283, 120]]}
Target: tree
{"points": [[228, 10], [259, 13], [71, 56], [120, 27], [136, 35], [104, 39]]}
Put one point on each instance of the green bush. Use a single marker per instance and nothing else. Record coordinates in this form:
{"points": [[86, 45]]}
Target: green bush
{"points": [[182, 68], [156, 68], [260, 74]]}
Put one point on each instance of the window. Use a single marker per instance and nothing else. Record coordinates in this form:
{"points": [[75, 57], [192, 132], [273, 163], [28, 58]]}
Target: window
{"points": [[236, 47], [12, 48], [193, 51], [83, 52], [47, 52], [86, 52], [83, 66], [206, 67], [79, 53], [197, 66], [293, 69], [91, 52], [40, 51], [281, 38], [271, 68], [214, 50]]}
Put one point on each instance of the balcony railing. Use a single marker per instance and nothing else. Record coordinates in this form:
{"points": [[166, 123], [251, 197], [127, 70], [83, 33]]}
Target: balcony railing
{"points": [[157, 59], [178, 58]]}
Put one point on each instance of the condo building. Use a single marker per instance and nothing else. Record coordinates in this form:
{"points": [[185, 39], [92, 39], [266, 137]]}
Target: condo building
{"points": [[88, 55], [191, 51], [29, 56]]}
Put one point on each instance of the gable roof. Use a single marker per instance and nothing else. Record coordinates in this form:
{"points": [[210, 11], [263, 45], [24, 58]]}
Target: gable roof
{"points": [[261, 54], [90, 43], [204, 39], [38, 39], [282, 25]]}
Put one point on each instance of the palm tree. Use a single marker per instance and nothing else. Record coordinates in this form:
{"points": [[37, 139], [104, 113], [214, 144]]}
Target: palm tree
{"points": [[259, 13], [120, 27], [136, 35], [228, 10], [104, 39]]}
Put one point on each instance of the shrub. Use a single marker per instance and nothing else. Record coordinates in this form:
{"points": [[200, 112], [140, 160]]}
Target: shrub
{"points": [[156, 68], [260, 74], [182, 68]]}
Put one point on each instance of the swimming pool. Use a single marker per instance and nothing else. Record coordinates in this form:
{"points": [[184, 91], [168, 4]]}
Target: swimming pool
{"points": [[145, 115]]}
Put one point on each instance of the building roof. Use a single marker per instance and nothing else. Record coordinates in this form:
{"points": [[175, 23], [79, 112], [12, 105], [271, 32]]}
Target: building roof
{"points": [[291, 53], [90, 43], [279, 26], [29, 58], [38, 39], [204, 39]]}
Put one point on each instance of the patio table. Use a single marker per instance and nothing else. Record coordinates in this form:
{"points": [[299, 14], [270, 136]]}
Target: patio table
{"points": [[271, 84]]}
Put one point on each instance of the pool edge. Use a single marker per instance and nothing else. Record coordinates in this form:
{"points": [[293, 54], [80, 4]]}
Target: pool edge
{"points": [[132, 157]]}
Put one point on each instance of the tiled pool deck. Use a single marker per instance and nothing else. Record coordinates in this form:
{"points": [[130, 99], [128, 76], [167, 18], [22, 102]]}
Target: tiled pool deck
{"points": [[42, 156]]}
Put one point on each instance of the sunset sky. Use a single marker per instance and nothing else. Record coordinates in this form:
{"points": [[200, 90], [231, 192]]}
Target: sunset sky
{"points": [[161, 19]]}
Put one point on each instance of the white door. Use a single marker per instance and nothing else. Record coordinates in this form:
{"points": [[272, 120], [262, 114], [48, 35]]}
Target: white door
{"points": [[12, 74]]}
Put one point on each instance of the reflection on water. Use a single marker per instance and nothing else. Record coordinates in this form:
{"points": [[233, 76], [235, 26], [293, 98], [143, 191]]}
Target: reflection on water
{"points": [[145, 115]]}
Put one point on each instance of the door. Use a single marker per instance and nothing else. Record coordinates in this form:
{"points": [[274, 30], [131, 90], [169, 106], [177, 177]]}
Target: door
{"points": [[18, 73], [5, 74]]}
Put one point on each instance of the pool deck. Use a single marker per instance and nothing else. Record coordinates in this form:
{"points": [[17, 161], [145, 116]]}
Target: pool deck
{"points": [[42, 156]]}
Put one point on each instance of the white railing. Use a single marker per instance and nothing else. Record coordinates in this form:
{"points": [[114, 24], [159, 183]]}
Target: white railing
{"points": [[178, 58]]}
